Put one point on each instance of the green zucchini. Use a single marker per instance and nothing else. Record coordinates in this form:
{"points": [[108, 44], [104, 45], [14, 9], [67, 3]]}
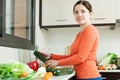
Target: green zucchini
{"points": [[60, 71], [40, 56], [50, 69]]}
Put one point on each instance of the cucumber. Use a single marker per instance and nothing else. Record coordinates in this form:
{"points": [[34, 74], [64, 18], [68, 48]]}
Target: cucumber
{"points": [[50, 69], [63, 71], [60, 71], [40, 56]]}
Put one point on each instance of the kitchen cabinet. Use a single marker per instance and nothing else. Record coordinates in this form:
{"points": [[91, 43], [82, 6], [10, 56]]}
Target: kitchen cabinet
{"points": [[117, 9], [107, 75], [110, 74], [59, 13], [103, 11]]}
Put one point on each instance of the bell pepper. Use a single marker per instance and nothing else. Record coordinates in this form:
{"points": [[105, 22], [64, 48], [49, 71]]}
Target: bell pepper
{"points": [[33, 65]]}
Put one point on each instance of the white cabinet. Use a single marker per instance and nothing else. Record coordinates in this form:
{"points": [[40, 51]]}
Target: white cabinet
{"points": [[57, 12], [117, 9], [60, 12], [103, 11]]}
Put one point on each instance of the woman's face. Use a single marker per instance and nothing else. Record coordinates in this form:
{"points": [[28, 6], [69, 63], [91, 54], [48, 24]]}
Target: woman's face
{"points": [[82, 14]]}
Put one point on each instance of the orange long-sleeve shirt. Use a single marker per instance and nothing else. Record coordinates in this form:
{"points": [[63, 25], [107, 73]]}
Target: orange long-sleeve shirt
{"points": [[83, 54]]}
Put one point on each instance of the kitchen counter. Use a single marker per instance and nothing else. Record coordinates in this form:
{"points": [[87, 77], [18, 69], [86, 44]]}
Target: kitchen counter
{"points": [[63, 77], [118, 70], [67, 77]]}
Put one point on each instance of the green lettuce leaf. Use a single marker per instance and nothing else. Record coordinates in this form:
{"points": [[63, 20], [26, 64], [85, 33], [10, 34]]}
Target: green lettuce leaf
{"points": [[107, 59]]}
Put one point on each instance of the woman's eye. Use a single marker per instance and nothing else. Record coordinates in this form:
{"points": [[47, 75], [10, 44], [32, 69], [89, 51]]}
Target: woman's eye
{"points": [[76, 12], [82, 11]]}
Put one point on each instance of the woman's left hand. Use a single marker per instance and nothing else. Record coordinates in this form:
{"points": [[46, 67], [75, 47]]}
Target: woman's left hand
{"points": [[51, 63]]}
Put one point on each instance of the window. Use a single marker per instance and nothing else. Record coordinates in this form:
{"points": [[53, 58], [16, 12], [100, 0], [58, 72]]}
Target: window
{"points": [[17, 23]]}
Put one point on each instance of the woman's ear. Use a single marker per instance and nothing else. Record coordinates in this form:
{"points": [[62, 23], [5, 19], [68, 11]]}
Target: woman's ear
{"points": [[91, 13]]}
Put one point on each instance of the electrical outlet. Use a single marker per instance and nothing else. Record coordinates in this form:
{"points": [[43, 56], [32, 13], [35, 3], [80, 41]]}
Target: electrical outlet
{"points": [[118, 22]]}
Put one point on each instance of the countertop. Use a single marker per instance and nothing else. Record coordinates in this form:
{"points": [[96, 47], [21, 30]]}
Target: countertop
{"points": [[66, 77], [118, 70], [63, 77]]}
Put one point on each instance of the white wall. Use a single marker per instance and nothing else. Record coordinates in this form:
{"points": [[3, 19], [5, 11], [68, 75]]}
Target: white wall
{"points": [[7, 54], [109, 41], [13, 54]]}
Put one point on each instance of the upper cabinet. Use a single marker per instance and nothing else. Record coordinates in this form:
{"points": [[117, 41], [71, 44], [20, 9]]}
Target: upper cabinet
{"points": [[103, 11], [59, 13], [117, 9]]}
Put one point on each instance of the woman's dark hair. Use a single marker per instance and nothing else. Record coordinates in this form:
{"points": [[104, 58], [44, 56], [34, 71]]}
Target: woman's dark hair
{"points": [[85, 3]]}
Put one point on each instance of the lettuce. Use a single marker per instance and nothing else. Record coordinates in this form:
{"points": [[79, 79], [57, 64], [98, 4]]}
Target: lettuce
{"points": [[107, 59], [14, 70]]}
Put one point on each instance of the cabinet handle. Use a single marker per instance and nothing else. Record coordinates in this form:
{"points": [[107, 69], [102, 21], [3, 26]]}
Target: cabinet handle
{"points": [[61, 20], [104, 78], [99, 19]]}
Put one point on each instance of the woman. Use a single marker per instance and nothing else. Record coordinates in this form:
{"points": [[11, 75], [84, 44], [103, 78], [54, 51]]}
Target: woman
{"points": [[83, 49]]}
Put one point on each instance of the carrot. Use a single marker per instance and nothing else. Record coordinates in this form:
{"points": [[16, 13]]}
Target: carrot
{"points": [[48, 75], [24, 74]]}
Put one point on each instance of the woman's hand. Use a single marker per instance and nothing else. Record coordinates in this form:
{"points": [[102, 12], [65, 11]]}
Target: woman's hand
{"points": [[51, 63]]}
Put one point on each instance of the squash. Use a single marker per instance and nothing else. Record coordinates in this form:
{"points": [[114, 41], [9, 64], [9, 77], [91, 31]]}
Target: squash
{"points": [[60, 71], [40, 56]]}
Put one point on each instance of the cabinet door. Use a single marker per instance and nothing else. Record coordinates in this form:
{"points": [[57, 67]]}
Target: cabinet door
{"points": [[57, 12], [110, 75], [60, 12], [117, 9], [103, 11]]}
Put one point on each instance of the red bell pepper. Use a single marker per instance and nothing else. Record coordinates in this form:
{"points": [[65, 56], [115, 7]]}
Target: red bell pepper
{"points": [[33, 65]]}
